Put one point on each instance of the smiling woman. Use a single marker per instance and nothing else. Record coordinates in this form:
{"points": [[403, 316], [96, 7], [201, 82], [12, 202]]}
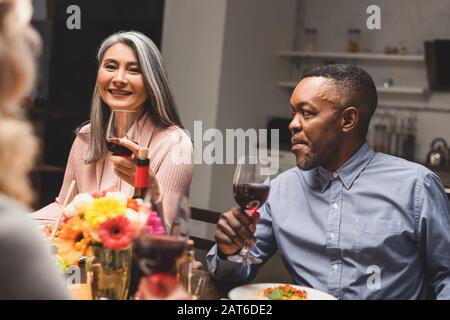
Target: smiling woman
{"points": [[130, 76]]}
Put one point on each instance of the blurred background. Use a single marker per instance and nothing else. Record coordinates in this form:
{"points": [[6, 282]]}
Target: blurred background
{"points": [[233, 64]]}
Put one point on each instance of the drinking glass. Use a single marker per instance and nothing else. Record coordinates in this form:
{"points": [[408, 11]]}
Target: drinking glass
{"points": [[250, 190], [121, 124], [159, 253], [195, 283]]}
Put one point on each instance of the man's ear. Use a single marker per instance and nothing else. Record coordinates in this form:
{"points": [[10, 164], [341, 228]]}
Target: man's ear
{"points": [[349, 119]]}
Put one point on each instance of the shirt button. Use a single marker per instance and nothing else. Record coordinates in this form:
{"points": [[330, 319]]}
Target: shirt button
{"points": [[332, 236], [335, 267], [335, 205], [335, 174]]}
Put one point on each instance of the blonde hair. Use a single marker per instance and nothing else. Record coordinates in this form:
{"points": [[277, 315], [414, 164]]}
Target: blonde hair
{"points": [[18, 148], [18, 145]]}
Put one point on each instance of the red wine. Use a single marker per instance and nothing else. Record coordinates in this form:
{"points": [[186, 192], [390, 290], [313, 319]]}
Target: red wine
{"points": [[119, 150], [250, 196], [159, 253]]}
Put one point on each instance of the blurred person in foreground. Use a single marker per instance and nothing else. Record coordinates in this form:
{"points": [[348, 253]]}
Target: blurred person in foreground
{"points": [[27, 269], [349, 221]]}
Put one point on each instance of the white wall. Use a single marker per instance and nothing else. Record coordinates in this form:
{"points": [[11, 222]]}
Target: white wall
{"points": [[255, 31], [409, 21], [192, 48]]}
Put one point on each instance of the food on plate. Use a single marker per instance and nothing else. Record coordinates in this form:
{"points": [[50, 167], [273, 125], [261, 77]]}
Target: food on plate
{"points": [[284, 292]]}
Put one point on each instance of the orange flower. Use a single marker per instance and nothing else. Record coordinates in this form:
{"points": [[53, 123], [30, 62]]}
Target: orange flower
{"points": [[73, 241]]}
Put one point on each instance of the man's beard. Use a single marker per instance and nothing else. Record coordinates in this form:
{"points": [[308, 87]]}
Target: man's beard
{"points": [[308, 163], [315, 159]]}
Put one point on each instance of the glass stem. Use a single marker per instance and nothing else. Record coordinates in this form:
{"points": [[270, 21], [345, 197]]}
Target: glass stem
{"points": [[245, 251]]}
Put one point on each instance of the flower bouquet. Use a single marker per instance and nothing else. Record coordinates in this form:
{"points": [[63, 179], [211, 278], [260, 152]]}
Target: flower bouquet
{"points": [[102, 226]]}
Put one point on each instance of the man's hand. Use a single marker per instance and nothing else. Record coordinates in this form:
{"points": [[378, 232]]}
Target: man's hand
{"points": [[234, 227]]}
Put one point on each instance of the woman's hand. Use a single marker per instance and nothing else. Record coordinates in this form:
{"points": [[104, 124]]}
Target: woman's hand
{"points": [[125, 169]]}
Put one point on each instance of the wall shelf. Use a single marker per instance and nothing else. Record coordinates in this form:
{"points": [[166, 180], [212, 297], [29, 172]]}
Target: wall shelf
{"points": [[354, 56], [413, 107], [402, 90], [381, 90]]}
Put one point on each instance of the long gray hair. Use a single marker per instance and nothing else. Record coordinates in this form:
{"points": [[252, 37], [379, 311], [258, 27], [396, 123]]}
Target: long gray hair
{"points": [[160, 106]]}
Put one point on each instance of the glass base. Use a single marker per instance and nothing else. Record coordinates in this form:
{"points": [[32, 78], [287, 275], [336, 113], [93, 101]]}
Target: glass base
{"points": [[248, 258]]}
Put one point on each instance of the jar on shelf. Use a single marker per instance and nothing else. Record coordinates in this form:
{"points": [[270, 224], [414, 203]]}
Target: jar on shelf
{"points": [[310, 39], [353, 41]]}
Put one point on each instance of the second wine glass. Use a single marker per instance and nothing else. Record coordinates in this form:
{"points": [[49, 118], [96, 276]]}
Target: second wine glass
{"points": [[250, 190], [121, 124]]}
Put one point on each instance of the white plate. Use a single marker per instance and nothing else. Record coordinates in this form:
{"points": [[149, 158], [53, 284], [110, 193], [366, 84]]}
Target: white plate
{"points": [[250, 292]]}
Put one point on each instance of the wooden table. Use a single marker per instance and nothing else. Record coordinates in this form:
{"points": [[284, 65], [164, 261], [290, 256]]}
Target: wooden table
{"points": [[80, 292]]}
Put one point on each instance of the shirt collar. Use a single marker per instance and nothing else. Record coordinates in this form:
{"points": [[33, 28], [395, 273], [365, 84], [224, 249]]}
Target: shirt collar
{"points": [[349, 171]]}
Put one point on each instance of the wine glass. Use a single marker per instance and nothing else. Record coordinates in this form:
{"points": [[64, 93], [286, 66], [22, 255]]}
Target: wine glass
{"points": [[121, 124], [155, 256], [158, 254], [250, 190]]}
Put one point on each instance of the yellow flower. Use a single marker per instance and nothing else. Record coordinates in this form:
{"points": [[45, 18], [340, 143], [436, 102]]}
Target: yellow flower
{"points": [[73, 241], [101, 209]]}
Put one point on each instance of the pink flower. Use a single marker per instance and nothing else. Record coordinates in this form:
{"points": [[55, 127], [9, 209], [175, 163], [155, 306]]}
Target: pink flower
{"points": [[116, 233], [153, 224], [98, 194]]}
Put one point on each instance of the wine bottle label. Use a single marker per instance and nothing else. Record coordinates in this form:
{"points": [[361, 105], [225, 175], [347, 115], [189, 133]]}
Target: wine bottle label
{"points": [[141, 177]]}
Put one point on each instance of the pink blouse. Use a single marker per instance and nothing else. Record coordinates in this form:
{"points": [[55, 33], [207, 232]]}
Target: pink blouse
{"points": [[171, 159]]}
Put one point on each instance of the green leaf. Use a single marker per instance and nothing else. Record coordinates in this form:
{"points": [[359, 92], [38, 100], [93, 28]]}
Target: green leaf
{"points": [[62, 264], [276, 294]]}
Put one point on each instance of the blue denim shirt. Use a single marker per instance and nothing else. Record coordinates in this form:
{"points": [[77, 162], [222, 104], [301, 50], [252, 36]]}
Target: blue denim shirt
{"points": [[377, 228]]}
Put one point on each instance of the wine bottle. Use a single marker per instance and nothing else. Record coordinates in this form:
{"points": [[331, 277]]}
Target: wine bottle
{"points": [[141, 176], [140, 192]]}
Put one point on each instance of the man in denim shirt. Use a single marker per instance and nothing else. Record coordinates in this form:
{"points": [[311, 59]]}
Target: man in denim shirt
{"points": [[347, 220]]}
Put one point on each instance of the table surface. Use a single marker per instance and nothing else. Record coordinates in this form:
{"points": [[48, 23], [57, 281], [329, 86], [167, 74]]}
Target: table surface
{"points": [[212, 291]]}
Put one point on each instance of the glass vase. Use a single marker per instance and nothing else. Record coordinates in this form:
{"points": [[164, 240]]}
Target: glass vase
{"points": [[109, 273]]}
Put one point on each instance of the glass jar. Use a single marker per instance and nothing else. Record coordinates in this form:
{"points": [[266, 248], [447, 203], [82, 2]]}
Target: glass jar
{"points": [[109, 273], [353, 41], [185, 263], [310, 39]]}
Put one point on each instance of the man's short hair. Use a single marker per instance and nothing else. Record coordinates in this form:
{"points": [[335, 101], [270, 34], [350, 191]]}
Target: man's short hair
{"points": [[354, 86]]}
